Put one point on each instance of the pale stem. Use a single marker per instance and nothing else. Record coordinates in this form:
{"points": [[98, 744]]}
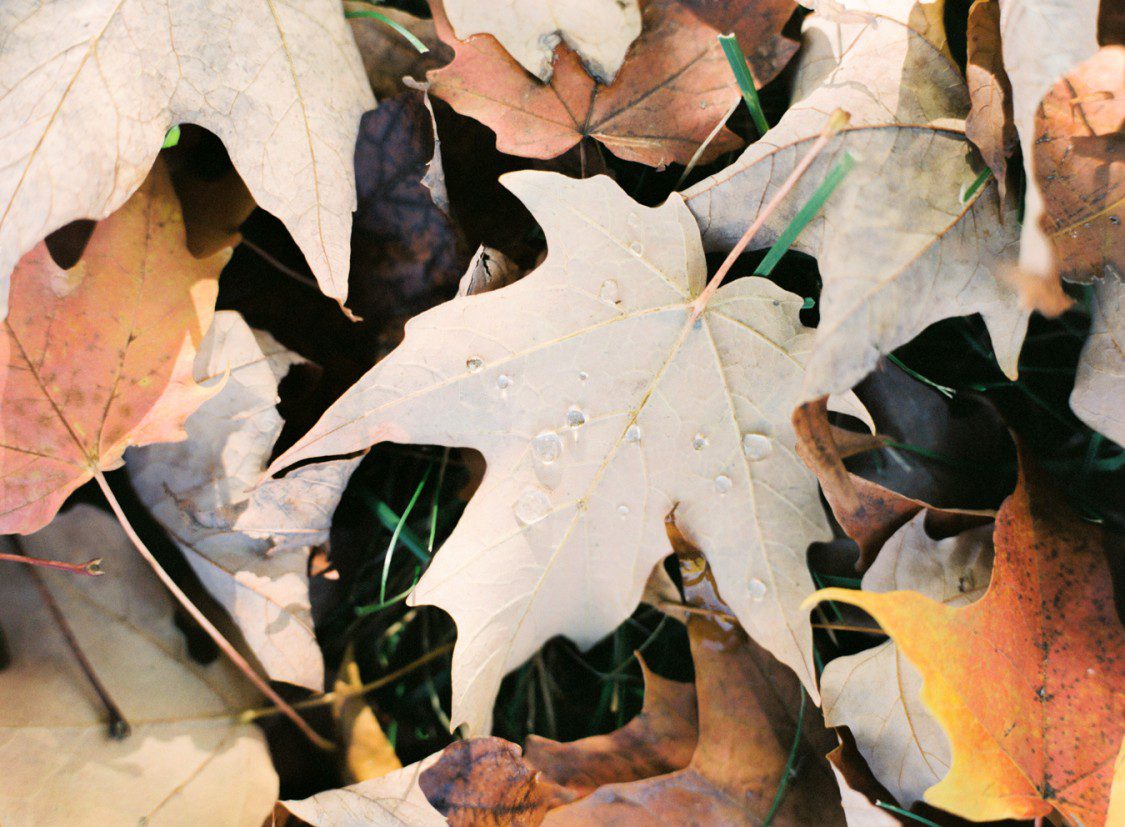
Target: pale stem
{"points": [[207, 626], [836, 121], [706, 143]]}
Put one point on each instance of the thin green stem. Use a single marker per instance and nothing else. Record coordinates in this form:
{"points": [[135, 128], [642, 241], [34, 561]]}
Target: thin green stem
{"points": [[787, 773], [398, 27], [394, 536], [738, 65]]}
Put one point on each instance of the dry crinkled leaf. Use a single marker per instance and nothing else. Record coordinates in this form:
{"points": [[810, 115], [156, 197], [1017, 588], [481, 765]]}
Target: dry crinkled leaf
{"points": [[599, 31], [668, 97], [1027, 681], [387, 56], [187, 760], [248, 547], [99, 357], [599, 408], [1042, 40], [90, 89], [1097, 398], [877, 693], [897, 247], [395, 800], [989, 122], [1080, 166]]}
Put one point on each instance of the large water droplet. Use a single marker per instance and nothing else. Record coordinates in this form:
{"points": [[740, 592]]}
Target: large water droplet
{"points": [[699, 442], [757, 589], [756, 446], [503, 381], [636, 248], [609, 291], [633, 433], [723, 483], [575, 418], [583, 376], [547, 447], [531, 507], [474, 364]]}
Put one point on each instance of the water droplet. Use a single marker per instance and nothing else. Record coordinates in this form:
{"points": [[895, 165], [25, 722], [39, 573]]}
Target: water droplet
{"points": [[757, 589], [531, 507], [723, 483], [474, 364], [1114, 220], [633, 433], [1091, 671], [583, 375], [776, 303], [503, 381], [633, 219], [547, 447], [756, 446], [703, 104], [699, 442], [636, 248], [623, 510], [609, 291], [575, 418], [1041, 692]]}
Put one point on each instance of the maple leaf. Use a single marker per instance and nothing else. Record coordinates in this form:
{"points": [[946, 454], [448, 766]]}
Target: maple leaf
{"points": [[989, 122], [187, 759], [1096, 398], [725, 770], [92, 89], [1027, 681], [599, 407], [248, 547], [671, 93], [897, 245], [99, 357], [598, 31], [876, 693], [1041, 41], [757, 24]]}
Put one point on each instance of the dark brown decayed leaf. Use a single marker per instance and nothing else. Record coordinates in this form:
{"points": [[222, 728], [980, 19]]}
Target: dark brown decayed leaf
{"points": [[673, 89]]}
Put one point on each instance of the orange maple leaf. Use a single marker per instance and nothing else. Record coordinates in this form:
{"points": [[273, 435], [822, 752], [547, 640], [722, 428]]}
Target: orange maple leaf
{"points": [[1028, 681], [99, 357], [672, 91]]}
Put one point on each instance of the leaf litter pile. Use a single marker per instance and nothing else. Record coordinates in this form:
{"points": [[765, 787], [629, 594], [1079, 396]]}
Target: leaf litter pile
{"points": [[570, 411]]}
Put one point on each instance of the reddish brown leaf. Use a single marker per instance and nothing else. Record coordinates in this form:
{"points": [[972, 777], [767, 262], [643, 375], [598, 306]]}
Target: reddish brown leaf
{"points": [[989, 124], [484, 781], [1027, 681], [660, 739], [99, 357], [758, 25], [1079, 162], [673, 89], [868, 512]]}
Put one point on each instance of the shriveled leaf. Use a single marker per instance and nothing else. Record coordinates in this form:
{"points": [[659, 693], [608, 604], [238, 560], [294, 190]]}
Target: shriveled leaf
{"points": [[99, 357], [1080, 167], [600, 407], [599, 31], [1027, 682], [671, 93], [202, 491], [898, 248], [91, 89], [387, 56], [1097, 398], [876, 693], [187, 760], [395, 800], [989, 123], [868, 512]]}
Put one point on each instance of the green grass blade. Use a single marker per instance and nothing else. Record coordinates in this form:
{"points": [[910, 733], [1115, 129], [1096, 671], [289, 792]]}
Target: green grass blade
{"points": [[398, 27], [390, 521], [905, 813], [779, 796], [985, 174], [395, 536], [737, 61], [805, 214]]}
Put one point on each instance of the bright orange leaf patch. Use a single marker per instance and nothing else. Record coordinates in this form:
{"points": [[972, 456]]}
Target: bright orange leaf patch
{"points": [[1028, 682], [672, 91], [99, 357]]}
